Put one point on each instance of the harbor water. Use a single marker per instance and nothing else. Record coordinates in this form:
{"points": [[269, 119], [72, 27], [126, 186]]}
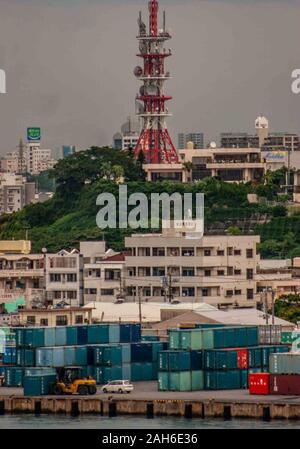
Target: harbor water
{"points": [[26, 421]]}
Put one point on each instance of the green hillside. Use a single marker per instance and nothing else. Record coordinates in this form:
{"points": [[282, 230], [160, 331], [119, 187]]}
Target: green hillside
{"points": [[70, 216]]}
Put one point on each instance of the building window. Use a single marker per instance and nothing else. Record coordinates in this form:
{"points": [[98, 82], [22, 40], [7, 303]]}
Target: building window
{"points": [[249, 253], [158, 271], [71, 295], [78, 319], [238, 292], [131, 272], [207, 252], [229, 293], [147, 291], [221, 273], [186, 272], [188, 252], [238, 272], [107, 291], [144, 271], [112, 275], [250, 293], [188, 291], [237, 252], [91, 291], [144, 252], [31, 320], [55, 277], [229, 251], [71, 277], [229, 271], [57, 295], [220, 252], [249, 273], [61, 320], [207, 273], [205, 292], [44, 322], [158, 252], [173, 252]]}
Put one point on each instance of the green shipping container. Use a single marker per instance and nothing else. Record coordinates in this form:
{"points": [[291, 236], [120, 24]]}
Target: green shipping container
{"points": [[197, 379], [163, 381], [285, 363], [126, 353], [174, 339], [286, 337], [112, 373], [98, 334], [180, 381], [71, 336], [49, 336], [38, 385], [98, 375], [98, 355], [112, 355], [222, 380], [61, 336]]}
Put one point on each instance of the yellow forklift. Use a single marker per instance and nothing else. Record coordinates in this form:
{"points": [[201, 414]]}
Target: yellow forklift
{"points": [[70, 381]]}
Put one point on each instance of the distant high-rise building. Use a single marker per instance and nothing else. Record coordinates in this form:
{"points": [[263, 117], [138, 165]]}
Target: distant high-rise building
{"points": [[68, 150], [196, 138], [129, 135], [262, 139]]}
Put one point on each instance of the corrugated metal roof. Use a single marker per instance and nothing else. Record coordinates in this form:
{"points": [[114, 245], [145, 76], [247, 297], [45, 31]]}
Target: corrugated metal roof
{"points": [[129, 311]]}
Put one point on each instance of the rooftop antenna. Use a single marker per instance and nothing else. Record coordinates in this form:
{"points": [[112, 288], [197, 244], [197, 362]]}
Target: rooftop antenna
{"points": [[164, 23], [21, 156]]}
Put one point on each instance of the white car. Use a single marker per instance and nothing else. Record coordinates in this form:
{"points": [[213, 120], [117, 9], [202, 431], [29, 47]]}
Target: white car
{"points": [[118, 386]]}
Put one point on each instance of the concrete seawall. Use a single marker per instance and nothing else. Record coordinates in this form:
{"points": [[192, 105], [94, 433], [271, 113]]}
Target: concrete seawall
{"points": [[210, 408]]}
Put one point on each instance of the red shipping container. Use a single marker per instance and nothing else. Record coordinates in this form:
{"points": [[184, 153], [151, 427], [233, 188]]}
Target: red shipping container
{"points": [[259, 383], [242, 357], [285, 384]]}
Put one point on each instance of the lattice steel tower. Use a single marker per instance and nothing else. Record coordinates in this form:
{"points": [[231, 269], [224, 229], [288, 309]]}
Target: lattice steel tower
{"points": [[155, 141]]}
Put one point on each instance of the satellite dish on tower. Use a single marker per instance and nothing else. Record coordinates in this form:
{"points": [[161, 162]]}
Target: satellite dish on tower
{"points": [[151, 90], [138, 71]]}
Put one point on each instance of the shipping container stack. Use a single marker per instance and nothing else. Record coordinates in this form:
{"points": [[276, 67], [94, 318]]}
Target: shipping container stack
{"points": [[104, 351], [283, 377], [210, 358]]}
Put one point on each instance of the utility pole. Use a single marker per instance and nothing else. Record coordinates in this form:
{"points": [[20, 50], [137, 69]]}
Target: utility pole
{"points": [[140, 305], [273, 306], [170, 286]]}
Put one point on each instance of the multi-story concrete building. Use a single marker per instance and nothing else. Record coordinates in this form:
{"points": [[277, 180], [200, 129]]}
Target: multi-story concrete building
{"points": [[129, 135], [231, 165], [276, 141], [219, 270], [103, 276], [15, 192], [64, 278], [196, 138], [279, 277], [21, 273], [297, 187], [37, 159]]}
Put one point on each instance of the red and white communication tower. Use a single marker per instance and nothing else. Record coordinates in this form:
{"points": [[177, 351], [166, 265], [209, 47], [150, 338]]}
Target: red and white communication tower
{"points": [[155, 141]]}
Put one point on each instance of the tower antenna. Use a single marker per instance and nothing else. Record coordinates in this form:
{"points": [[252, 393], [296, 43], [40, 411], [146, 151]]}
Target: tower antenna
{"points": [[154, 141]]}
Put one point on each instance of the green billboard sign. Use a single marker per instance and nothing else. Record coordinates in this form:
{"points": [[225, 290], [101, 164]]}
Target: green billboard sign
{"points": [[33, 134]]}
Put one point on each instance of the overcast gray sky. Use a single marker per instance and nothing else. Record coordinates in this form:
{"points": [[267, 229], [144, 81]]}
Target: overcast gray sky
{"points": [[69, 66]]}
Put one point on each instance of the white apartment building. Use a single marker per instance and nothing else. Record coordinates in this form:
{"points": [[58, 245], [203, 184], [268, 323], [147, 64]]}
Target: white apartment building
{"points": [[21, 273], [64, 278], [103, 272], [219, 270], [15, 192], [37, 159], [230, 164]]}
